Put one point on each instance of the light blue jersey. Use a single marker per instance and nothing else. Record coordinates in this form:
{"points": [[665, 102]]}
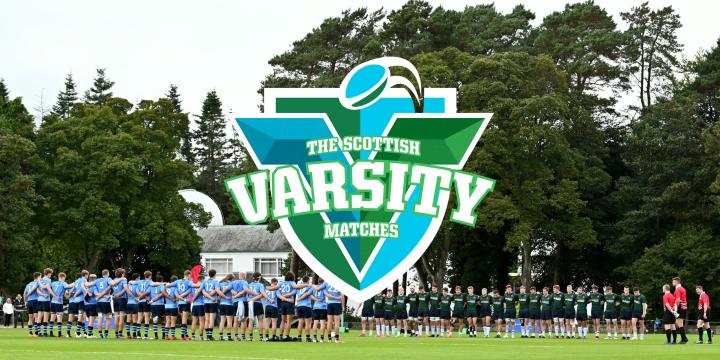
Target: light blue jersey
{"points": [[239, 286], [78, 295], [101, 284], [31, 290], [198, 298], [171, 303], [225, 287], [182, 285], [321, 303], [91, 300], [209, 286], [43, 294], [334, 292], [58, 287], [303, 302], [287, 290], [119, 287], [156, 292], [257, 287], [133, 292], [143, 288], [272, 295]]}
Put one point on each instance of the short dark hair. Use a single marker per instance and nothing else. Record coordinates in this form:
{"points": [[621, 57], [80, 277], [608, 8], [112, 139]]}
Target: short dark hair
{"points": [[159, 278], [636, 289], [212, 273], [699, 287], [676, 279], [290, 276], [135, 276], [173, 278]]}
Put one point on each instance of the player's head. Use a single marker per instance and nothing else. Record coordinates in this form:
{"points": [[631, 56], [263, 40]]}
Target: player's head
{"points": [[556, 288], [136, 276], [522, 289], [229, 277], [626, 290], [470, 290], [434, 288], [159, 278], [306, 279], [581, 290], [388, 292], [496, 293], [546, 290], [47, 272], [666, 288], [289, 276], [186, 274], [242, 275], [78, 275], [36, 275], [484, 291], [421, 288], [320, 280], [147, 274], [458, 289], [569, 288], [533, 290], [201, 278], [401, 291], [636, 290], [105, 273], [93, 277], [412, 289], [698, 289], [173, 278], [676, 281], [85, 273], [508, 289], [608, 289], [212, 273], [594, 289], [274, 281], [257, 276], [61, 276], [120, 272], [446, 290]]}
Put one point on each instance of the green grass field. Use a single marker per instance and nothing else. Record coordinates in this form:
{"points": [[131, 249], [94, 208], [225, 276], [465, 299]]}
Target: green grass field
{"points": [[15, 344]]}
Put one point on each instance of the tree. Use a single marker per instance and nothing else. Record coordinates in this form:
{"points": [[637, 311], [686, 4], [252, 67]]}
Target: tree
{"points": [[212, 149], [66, 98], [4, 93], [651, 51], [100, 92], [186, 146]]}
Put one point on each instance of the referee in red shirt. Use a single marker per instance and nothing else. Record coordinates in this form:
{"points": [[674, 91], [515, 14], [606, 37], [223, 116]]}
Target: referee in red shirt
{"points": [[703, 308], [669, 315], [681, 300]]}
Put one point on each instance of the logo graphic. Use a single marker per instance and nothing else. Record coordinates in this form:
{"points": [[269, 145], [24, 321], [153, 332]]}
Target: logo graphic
{"points": [[359, 177]]}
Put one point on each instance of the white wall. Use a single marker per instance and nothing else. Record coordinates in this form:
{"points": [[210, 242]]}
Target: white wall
{"points": [[243, 261]]}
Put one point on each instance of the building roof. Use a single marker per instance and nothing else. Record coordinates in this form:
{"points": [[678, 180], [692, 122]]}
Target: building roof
{"points": [[242, 238]]}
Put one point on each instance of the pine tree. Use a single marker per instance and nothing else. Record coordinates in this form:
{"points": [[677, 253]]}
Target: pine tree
{"points": [[4, 93], [186, 146], [174, 98], [212, 149], [66, 98], [100, 92]]}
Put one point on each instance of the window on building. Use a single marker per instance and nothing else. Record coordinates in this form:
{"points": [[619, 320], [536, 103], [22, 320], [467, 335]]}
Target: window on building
{"points": [[222, 266], [269, 267]]}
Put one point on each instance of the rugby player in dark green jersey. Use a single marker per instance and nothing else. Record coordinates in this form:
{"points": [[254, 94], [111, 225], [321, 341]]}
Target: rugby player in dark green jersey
{"points": [[485, 307], [597, 300], [510, 299], [535, 319], [471, 302], [546, 311], [458, 311], [367, 316], [413, 299], [627, 300], [423, 312], [388, 313], [558, 302], [497, 311], [582, 299], [612, 301], [445, 301], [524, 311], [434, 312], [401, 314], [569, 311], [639, 312], [379, 308]]}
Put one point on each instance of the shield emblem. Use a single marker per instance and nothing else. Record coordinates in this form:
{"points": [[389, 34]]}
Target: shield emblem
{"points": [[368, 104]]}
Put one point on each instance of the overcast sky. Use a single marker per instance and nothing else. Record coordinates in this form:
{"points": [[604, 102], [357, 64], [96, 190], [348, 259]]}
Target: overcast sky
{"points": [[204, 45]]}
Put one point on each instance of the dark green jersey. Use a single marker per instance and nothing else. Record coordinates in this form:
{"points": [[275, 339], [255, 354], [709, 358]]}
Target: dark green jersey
{"points": [[546, 301], [401, 301], [423, 299], [611, 301], [596, 299], [458, 301], [497, 304], [389, 303], [368, 304], [638, 304], [379, 302], [445, 301], [627, 302], [510, 300], [535, 302], [485, 302], [412, 299], [471, 302], [558, 300], [524, 301], [570, 300], [582, 301], [434, 300]]}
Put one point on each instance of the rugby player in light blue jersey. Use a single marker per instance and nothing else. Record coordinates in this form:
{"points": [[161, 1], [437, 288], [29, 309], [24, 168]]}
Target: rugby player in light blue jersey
{"points": [[319, 311], [210, 290], [90, 304], [30, 296], [303, 305], [103, 296], [240, 304], [59, 288], [336, 304], [226, 306], [157, 304], [198, 308], [76, 306], [271, 311], [256, 309], [43, 301], [133, 307], [119, 297], [171, 310], [143, 292], [184, 288], [286, 305]]}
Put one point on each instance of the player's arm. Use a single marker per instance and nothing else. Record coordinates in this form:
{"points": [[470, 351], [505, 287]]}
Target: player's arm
{"points": [[272, 287], [300, 286], [303, 296], [644, 307], [313, 298]]}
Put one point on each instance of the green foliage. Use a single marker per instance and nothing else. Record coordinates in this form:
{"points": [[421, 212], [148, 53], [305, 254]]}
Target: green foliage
{"points": [[100, 92], [66, 98]]}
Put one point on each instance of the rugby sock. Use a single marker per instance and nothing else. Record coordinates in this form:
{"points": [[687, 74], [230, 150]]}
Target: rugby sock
{"points": [[155, 328], [667, 334], [127, 329], [90, 330], [681, 330], [183, 329], [68, 328], [30, 328], [147, 329], [164, 332], [709, 334], [377, 329], [700, 333], [52, 327], [172, 331], [674, 335]]}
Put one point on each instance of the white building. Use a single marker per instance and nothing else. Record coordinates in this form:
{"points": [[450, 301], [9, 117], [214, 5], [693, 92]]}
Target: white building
{"points": [[246, 248]]}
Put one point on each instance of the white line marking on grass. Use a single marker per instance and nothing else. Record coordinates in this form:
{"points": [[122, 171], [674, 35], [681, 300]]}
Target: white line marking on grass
{"points": [[143, 354]]}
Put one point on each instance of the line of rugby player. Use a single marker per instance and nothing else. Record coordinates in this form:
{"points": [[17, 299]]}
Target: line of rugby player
{"points": [[140, 301], [544, 313]]}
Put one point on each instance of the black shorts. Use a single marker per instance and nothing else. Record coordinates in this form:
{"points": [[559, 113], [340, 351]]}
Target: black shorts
{"points": [[271, 312], [535, 315], [132, 309], [119, 305], [226, 310], [286, 308], [558, 313], [413, 313], [595, 314], [510, 314], [581, 317], [610, 315], [401, 314], [235, 308], [434, 313], [497, 315], [32, 306], [445, 314], [184, 307], [626, 315], [705, 319], [334, 309], [56, 308], [198, 310], [485, 312], [73, 308], [171, 311], [257, 309], [524, 314], [319, 314], [210, 308], [379, 314], [304, 312], [638, 315], [43, 306], [103, 308], [366, 313], [668, 317], [471, 314], [422, 313], [157, 310], [569, 314], [246, 308], [683, 314], [143, 307], [458, 314], [388, 315], [91, 310], [546, 315]]}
